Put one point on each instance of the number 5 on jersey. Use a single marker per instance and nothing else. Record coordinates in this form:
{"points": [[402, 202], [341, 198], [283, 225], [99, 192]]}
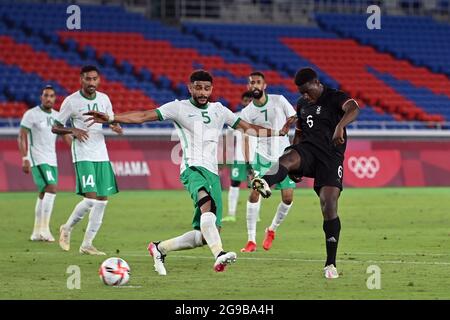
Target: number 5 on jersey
{"points": [[89, 181], [206, 118]]}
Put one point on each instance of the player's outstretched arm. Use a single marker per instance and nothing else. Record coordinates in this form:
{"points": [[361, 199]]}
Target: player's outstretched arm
{"points": [[126, 117], [258, 131], [75, 132], [351, 110], [67, 139], [288, 124], [298, 133]]}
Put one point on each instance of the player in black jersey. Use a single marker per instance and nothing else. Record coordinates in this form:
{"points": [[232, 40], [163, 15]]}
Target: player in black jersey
{"points": [[317, 152]]}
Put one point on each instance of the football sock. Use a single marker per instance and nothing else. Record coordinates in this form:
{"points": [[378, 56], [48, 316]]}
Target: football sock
{"points": [[252, 216], [210, 232], [331, 229], [37, 216], [79, 212], [273, 176], [95, 221], [233, 196], [189, 240], [47, 208], [282, 212], [259, 207]]}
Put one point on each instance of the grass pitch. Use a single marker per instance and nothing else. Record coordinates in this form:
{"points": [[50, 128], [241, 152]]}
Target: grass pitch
{"points": [[403, 231]]}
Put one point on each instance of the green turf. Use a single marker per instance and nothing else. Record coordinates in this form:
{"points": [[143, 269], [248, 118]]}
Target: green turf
{"points": [[403, 231]]}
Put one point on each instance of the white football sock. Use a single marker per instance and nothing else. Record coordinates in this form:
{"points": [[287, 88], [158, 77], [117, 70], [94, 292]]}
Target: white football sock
{"points": [[79, 212], [252, 216], [282, 211], [259, 209], [233, 197], [189, 240], [47, 208], [37, 216], [95, 222], [210, 232]]}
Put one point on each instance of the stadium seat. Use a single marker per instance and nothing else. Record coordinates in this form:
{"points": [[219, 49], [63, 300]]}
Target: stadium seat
{"points": [[401, 73]]}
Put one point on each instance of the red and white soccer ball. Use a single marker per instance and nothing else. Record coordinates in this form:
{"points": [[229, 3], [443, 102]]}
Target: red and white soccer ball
{"points": [[114, 272]]}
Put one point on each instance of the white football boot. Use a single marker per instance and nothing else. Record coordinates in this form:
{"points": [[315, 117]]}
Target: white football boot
{"points": [[260, 185], [224, 259], [35, 236], [331, 272], [64, 238], [47, 236], [158, 258], [91, 250]]}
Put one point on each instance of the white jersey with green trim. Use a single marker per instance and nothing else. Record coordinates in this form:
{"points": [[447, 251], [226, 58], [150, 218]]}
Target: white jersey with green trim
{"points": [[239, 145], [198, 129], [72, 108], [41, 139], [273, 114]]}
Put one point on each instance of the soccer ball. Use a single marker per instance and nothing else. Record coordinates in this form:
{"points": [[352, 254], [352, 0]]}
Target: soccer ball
{"points": [[114, 272]]}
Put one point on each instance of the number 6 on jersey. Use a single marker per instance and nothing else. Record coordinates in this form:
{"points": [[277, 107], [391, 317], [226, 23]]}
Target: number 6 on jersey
{"points": [[310, 121]]}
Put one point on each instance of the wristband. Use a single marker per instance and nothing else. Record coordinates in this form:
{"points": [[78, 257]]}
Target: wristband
{"points": [[111, 119], [25, 158]]}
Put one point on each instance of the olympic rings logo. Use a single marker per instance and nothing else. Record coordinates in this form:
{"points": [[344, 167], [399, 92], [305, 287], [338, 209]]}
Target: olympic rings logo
{"points": [[364, 167]]}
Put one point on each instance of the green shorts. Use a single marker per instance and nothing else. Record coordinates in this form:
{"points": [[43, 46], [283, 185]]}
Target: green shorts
{"points": [[261, 165], [238, 171], [43, 175], [196, 178], [95, 177]]}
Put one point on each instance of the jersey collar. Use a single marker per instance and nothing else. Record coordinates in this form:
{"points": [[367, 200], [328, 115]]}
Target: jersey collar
{"points": [[42, 108], [81, 92], [192, 101], [262, 105]]}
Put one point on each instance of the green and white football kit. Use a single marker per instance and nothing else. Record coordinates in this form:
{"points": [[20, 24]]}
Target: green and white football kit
{"points": [[93, 169], [272, 114], [199, 129], [42, 156]]}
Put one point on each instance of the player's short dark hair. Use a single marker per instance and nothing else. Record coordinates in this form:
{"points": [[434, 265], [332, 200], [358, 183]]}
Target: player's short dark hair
{"points": [[247, 94], [304, 75], [200, 75], [258, 73], [89, 68], [48, 87]]}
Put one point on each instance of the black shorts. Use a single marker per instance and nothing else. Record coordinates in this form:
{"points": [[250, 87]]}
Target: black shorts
{"points": [[326, 168]]}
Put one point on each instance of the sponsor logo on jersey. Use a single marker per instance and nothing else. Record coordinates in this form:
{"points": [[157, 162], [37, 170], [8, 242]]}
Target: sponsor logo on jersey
{"points": [[318, 109]]}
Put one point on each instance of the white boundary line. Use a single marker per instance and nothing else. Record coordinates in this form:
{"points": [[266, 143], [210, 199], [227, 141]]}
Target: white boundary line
{"points": [[241, 257]]}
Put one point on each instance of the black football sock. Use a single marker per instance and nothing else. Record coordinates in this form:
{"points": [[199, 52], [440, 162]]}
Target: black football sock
{"points": [[278, 176], [332, 229]]}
